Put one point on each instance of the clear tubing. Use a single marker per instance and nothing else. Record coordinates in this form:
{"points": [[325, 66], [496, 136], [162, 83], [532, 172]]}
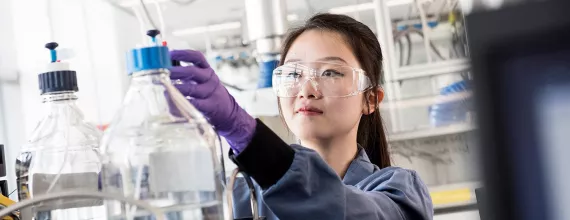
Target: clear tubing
{"points": [[63, 114], [425, 28], [229, 193], [253, 195], [146, 15], [141, 23], [179, 100], [65, 157], [160, 18], [52, 184], [80, 194], [133, 209], [181, 103]]}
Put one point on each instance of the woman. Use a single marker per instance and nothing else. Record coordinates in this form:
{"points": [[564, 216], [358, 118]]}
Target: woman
{"points": [[328, 90]]}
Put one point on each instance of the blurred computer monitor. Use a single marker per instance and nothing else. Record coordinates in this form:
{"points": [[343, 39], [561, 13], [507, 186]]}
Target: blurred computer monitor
{"points": [[521, 67]]}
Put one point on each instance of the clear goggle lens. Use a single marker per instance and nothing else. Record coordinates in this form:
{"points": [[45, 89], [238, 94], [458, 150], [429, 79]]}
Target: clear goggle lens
{"points": [[328, 79]]}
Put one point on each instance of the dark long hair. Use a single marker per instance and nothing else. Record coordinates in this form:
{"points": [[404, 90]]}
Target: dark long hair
{"points": [[366, 48]]}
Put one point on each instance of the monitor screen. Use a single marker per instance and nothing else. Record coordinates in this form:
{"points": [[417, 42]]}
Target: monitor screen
{"points": [[535, 94], [553, 114]]}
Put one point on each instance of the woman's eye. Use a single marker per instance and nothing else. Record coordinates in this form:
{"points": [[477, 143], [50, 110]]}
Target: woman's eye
{"points": [[294, 74], [332, 73]]}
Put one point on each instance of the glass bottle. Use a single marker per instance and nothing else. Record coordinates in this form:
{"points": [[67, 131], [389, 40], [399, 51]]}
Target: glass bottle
{"points": [[61, 153], [153, 153]]}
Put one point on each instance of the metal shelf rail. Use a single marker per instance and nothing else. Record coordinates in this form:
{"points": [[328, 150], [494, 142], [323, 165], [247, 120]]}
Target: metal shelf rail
{"points": [[433, 132], [432, 69]]}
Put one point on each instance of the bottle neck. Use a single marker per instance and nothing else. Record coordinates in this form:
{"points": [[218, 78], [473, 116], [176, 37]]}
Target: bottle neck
{"points": [[59, 97], [153, 77], [151, 73], [149, 87], [62, 104]]}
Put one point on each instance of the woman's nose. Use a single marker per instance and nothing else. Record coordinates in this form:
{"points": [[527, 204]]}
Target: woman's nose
{"points": [[309, 90]]}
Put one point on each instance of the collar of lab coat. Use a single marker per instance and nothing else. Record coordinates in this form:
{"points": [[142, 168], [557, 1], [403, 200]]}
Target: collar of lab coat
{"points": [[359, 168]]}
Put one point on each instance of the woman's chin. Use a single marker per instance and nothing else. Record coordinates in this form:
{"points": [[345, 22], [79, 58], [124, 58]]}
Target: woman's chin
{"points": [[311, 132], [309, 125]]}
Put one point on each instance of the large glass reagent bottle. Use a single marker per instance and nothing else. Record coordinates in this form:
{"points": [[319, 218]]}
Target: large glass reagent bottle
{"points": [[61, 153], [152, 153]]}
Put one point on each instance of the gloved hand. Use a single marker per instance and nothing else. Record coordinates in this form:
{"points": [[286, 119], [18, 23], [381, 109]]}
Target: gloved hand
{"points": [[205, 91]]}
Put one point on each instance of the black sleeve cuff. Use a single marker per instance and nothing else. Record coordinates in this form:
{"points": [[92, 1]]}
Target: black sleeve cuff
{"points": [[267, 158]]}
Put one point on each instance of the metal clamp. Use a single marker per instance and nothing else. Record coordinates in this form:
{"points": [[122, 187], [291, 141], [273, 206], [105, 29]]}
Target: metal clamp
{"points": [[252, 195]]}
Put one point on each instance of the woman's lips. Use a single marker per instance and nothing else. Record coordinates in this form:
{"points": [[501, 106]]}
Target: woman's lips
{"points": [[309, 111]]}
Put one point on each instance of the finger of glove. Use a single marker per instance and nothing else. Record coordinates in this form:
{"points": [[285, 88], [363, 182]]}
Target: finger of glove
{"points": [[190, 56], [200, 91], [217, 113], [186, 73], [209, 108]]}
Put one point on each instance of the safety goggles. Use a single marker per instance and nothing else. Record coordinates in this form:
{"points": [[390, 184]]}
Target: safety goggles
{"points": [[328, 79]]}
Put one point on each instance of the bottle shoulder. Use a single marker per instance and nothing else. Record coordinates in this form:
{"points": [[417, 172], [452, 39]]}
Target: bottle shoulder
{"points": [[148, 119], [54, 133]]}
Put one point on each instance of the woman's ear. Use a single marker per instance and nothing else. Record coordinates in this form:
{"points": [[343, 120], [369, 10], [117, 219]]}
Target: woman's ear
{"points": [[373, 98]]}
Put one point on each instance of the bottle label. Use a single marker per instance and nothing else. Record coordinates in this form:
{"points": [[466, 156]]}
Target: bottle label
{"points": [[182, 171], [65, 182]]}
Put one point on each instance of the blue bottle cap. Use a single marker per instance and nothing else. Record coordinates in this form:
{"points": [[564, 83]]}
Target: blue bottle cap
{"points": [[148, 58]]}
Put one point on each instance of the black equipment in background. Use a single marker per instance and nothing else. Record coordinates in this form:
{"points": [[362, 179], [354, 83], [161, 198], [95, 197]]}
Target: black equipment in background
{"points": [[521, 67]]}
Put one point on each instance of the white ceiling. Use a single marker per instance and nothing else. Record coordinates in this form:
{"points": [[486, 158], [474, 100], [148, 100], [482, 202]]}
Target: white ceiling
{"points": [[200, 13]]}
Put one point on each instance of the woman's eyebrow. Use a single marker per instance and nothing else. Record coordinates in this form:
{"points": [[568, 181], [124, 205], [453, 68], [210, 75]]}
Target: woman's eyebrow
{"points": [[292, 60], [332, 59], [321, 59]]}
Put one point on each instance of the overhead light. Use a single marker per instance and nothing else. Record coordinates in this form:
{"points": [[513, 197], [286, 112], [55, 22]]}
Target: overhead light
{"points": [[292, 17], [209, 28], [352, 8], [392, 3], [225, 26], [367, 6]]}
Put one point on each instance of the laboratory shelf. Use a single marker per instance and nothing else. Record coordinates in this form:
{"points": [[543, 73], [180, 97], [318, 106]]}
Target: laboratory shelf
{"points": [[432, 132], [425, 101], [432, 69], [263, 102], [453, 195]]}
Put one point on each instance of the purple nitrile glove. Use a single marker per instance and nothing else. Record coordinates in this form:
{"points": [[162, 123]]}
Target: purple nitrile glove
{"points": [[210, 97]]}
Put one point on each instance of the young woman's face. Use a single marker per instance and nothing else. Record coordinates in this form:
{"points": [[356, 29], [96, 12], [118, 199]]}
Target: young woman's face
{"points": [[309, 115]]}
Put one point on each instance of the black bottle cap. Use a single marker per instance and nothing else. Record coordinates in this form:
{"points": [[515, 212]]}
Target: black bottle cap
{"points": [[58, 81]]}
